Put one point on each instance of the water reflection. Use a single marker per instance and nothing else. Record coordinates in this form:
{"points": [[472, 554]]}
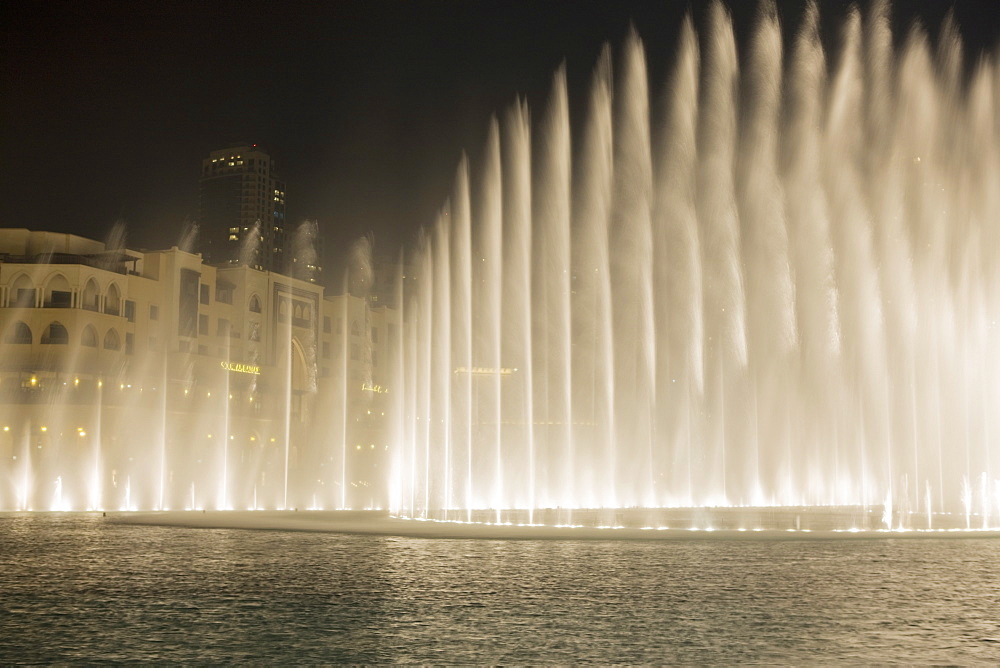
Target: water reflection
{"points": [[79, 589]]}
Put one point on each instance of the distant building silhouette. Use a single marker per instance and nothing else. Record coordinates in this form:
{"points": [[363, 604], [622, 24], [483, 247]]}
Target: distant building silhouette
{"points": [[242, 197]]}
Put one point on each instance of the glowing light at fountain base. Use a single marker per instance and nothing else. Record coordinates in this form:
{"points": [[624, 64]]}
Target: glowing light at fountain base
{"points": [[804, 519]]}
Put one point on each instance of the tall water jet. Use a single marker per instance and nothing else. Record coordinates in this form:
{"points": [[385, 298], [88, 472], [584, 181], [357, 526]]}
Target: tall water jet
{"points": [[250, 246], [631, 264], [461, 336], [188, 240], [724, 305], [488, 437], [593, 356], [551, 280], [679, 313], [520, 463], [811, 255], [771, 325]]}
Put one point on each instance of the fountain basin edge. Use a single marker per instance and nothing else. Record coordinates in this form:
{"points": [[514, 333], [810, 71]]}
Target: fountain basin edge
{"points": [[381, 523]]}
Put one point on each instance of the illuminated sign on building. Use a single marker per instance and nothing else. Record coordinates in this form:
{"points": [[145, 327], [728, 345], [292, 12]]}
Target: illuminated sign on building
{"points": [[241, 368], [485, 371], [377, 389]]}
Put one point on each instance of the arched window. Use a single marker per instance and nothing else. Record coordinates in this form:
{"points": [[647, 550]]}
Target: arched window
{"points": [[112, 340], [55, 334], [58, 294], [254, 304], [21, 293], [297, 313], [89, 337], [112, 303], [90, 296], [354, 328], [19, 332]]}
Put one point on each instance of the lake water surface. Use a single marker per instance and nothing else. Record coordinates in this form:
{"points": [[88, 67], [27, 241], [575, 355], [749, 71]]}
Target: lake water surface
{"points": [[79, 588]]}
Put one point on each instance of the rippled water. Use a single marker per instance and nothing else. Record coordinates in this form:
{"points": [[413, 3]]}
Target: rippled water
{"points": [[77, 588]]}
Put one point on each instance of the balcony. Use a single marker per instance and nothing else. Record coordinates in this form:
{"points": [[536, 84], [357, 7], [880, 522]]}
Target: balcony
{"points": [[58, 299]]}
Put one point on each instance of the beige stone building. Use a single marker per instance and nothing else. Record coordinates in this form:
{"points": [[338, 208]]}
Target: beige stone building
{"points": [[154, 380]]}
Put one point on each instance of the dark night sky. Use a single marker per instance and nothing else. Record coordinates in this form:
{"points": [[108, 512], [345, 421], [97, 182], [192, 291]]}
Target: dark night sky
{"points": [[108, 108]]}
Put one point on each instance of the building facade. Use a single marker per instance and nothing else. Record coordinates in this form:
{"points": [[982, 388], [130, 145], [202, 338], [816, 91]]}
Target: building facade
{"points": [[156, 380]]}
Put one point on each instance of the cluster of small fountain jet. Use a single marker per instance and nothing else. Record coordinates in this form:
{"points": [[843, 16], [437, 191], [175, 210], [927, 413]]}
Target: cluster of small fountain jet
{"points": [[781, 287]]}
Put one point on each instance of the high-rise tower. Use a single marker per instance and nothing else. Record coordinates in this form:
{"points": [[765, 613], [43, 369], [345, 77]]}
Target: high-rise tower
{"points": [[240, 197]]}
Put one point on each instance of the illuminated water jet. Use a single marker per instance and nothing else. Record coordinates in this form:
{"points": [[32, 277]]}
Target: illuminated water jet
{"points": [[777, 289]]}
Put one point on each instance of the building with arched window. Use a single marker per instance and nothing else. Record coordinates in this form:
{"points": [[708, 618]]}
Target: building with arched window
{"points": [[204, 385], [55, 334], [18, 333]]}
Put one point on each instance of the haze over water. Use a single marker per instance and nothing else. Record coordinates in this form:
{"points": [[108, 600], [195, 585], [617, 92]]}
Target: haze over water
{"points": [[778, 287]]}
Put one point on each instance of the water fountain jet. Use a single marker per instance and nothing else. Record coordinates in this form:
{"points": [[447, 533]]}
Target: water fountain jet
{"points": [[771, 292]]}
